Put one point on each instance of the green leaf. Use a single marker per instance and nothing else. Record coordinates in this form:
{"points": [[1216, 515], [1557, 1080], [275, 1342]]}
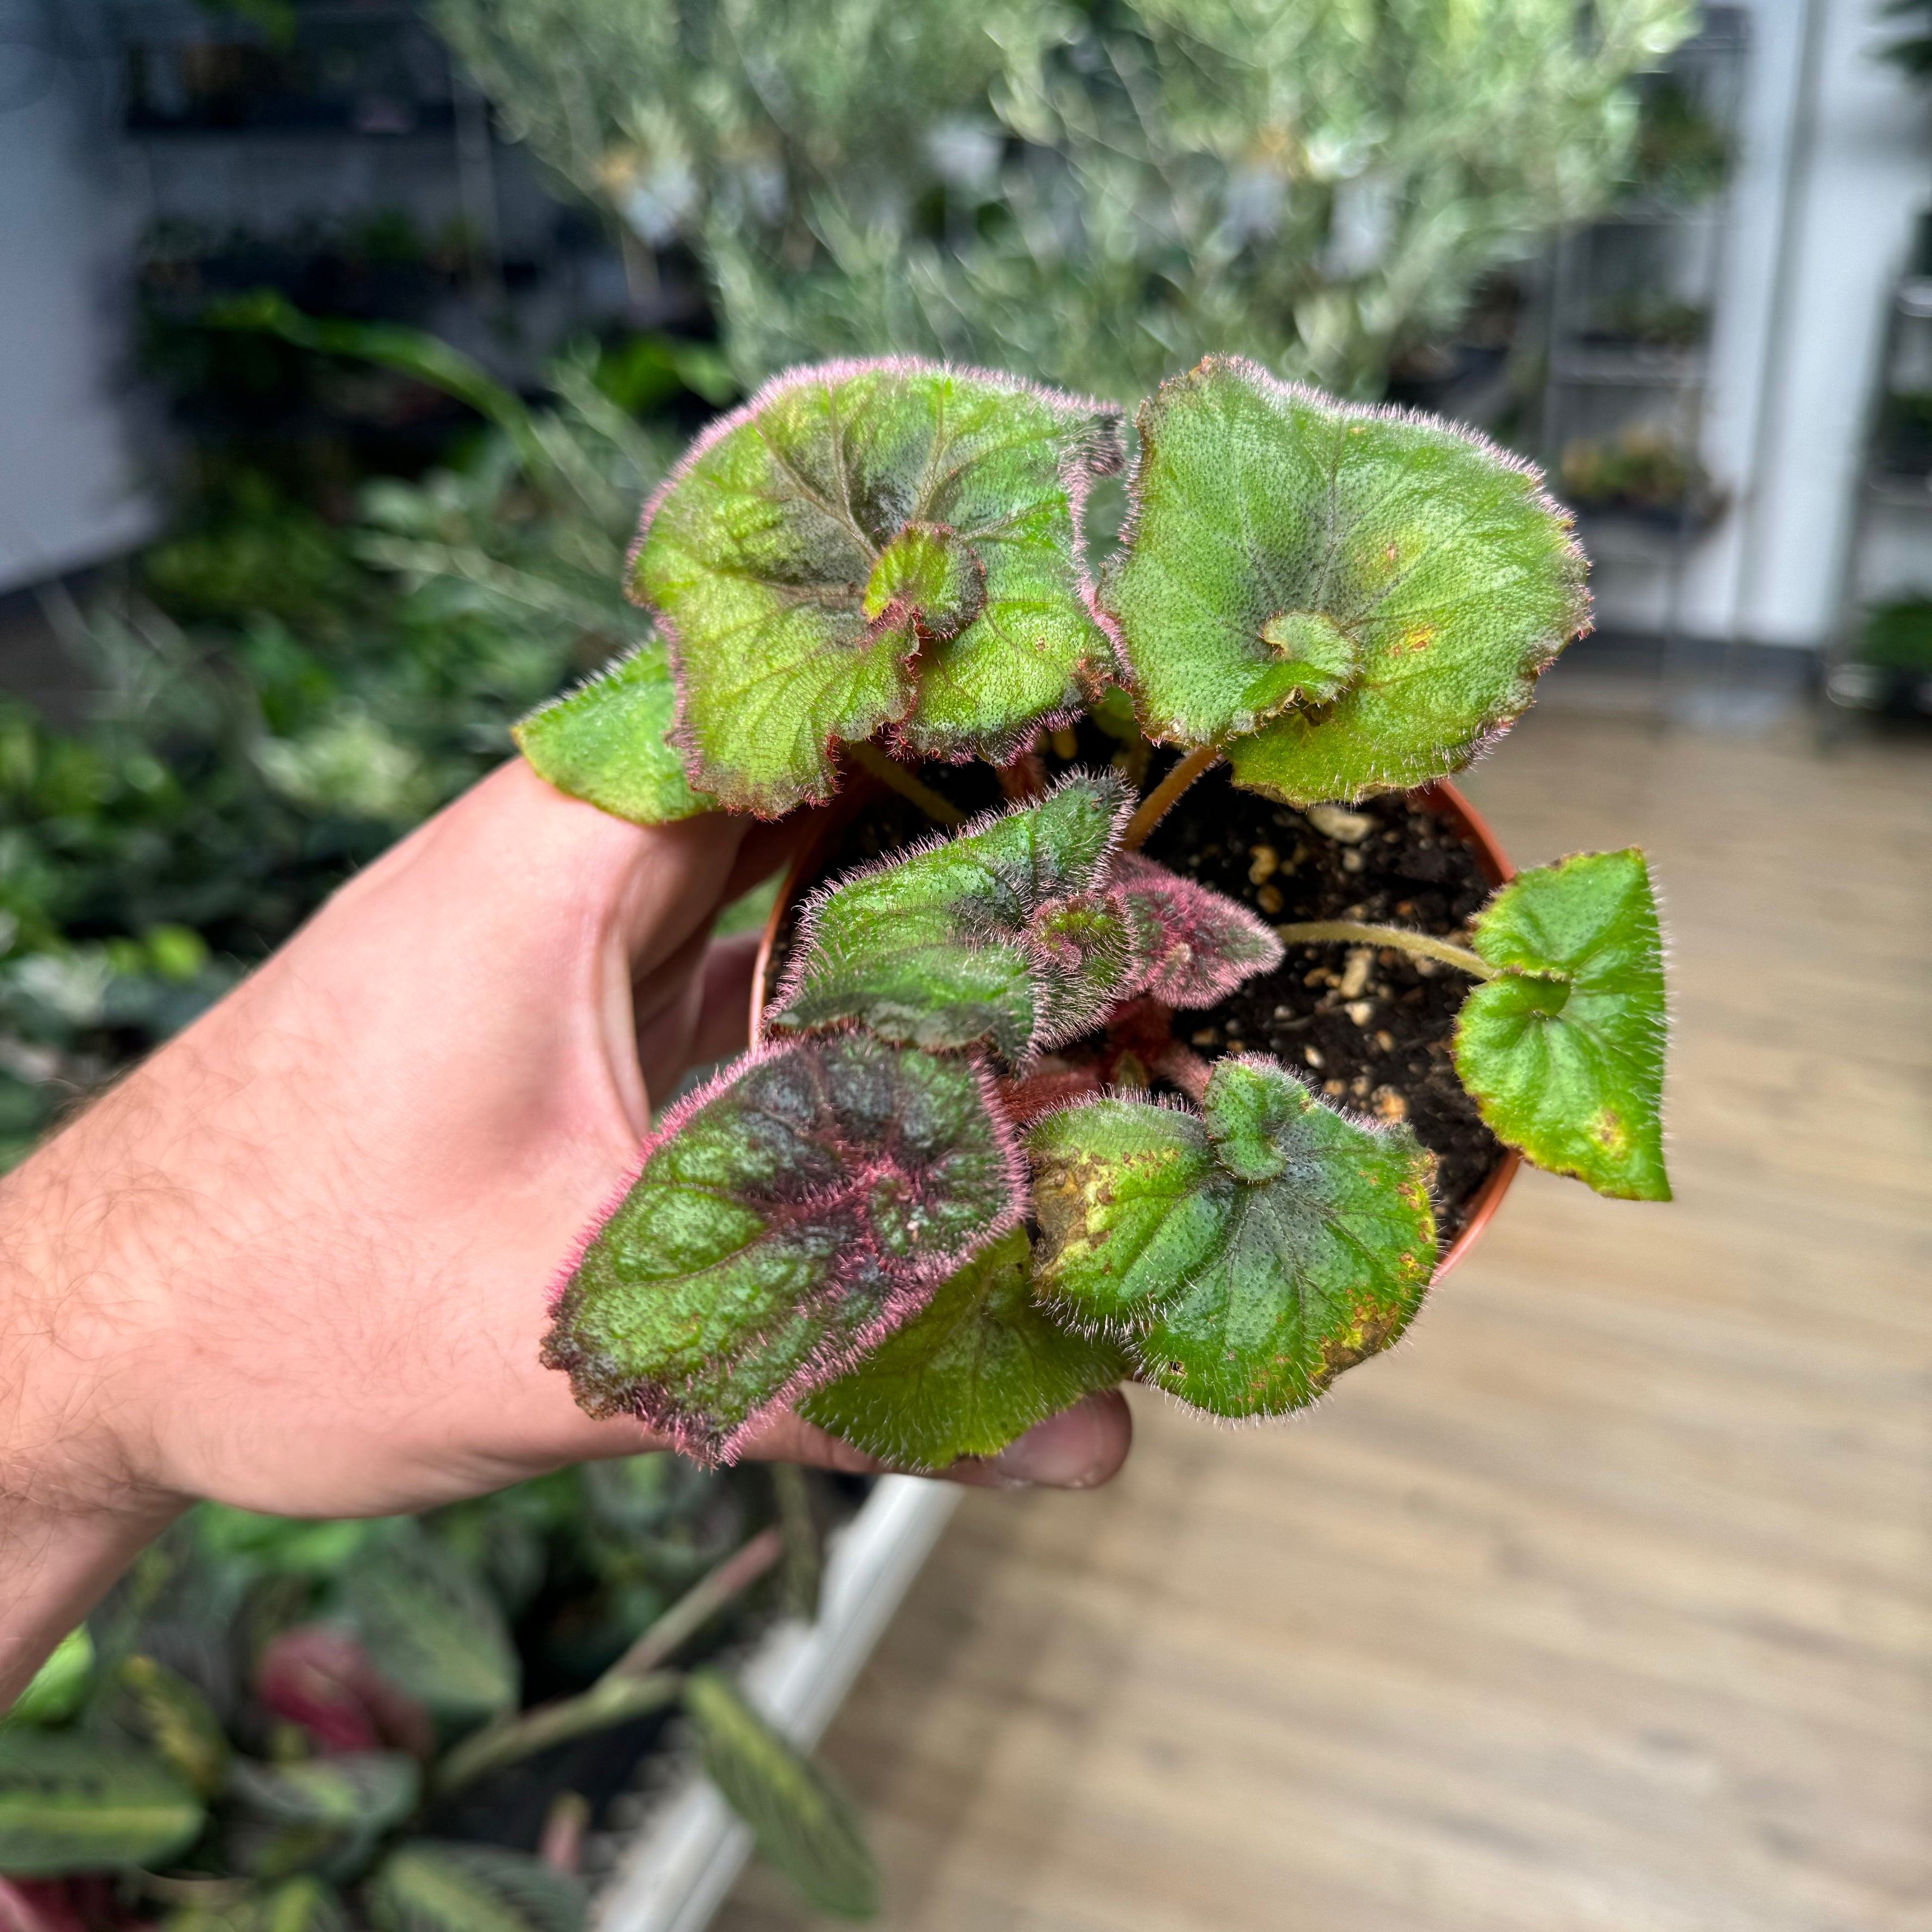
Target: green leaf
{"points": [[804, 1822], [1357, 598], [425, 358], [304, 1904], [430, 1626], [786, 1218], [607, 741], [972, 1371], [364, 1791], [1006, 934], [1574, 1078], [58, 1687], [427, 1885], [74, 1803], [161, 1709], [322, 1812], [865, 545], [1251, 1253]]}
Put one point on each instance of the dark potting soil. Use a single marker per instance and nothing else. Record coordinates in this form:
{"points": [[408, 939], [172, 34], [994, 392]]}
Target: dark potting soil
{"points": [[1372, 1030]]}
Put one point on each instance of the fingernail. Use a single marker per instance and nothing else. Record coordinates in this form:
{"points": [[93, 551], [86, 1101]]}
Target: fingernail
{"points": [[1066, 1451]]}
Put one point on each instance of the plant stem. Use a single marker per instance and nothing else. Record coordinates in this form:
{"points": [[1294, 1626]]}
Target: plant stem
{"points": [[610, 1700], [700, 1604], [1161, 800], [890, 772], [631, 1687], [1024, 779], [1349, 932], [1185, 1068]]}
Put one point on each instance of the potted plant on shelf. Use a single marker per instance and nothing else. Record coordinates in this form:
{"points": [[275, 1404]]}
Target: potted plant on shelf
{"points": [[975, 1165]]}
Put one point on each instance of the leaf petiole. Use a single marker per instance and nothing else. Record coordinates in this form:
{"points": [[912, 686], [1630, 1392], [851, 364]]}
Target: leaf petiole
{"points": [[1163, 799], [890, 772], [1352, 932]]}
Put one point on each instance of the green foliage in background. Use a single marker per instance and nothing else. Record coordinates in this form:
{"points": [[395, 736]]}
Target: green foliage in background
{"points": [[1898, 635], [1093, 195], [277, 697], [328, 1686]]}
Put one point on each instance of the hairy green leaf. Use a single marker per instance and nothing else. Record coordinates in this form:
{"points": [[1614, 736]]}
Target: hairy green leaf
{"points": [[972, 1371], [71, 1802], [159, 1708], [429, 1885], [1564, 1052], [607, 741], [868, 544], [58, 1687], [430, 1626], [801, 1818], [1251, 1253], [785, 1219], [326, 1813], [1005, 933], [1353, 599]]}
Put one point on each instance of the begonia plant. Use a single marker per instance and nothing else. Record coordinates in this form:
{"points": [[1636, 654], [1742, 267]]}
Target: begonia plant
{"points": [[970, 1171]]}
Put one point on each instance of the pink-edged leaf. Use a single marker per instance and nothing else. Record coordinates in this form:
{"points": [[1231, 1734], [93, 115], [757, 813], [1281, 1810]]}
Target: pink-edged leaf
{"points": [[1196, 945], [873, 545], [787, 1217], [1006, 934]]}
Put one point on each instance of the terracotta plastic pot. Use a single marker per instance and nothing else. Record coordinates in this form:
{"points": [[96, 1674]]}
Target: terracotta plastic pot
{"points": [[1442, 797]]}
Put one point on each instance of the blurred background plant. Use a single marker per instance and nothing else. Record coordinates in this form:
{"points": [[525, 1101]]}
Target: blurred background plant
{"points": [[1093, 195], [274, 697], [275, 1725]]}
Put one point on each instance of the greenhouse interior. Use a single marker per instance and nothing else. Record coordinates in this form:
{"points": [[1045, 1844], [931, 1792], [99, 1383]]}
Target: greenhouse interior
{"points": [[1124, 683]]}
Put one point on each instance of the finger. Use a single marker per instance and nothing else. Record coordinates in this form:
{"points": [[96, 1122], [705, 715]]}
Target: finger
{"points": [[1080, 1448], [724, 1022], [769, 844]]}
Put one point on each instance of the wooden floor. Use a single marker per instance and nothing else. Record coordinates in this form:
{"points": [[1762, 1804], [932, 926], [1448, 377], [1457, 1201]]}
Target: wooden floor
{"points": [[1604, 1604]]}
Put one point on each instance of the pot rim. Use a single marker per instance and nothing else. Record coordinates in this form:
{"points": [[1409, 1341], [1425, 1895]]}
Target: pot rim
{"points": [[1439, 797]]}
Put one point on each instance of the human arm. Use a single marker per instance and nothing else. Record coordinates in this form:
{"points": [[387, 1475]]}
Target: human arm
{"points": [[298, 1261]]}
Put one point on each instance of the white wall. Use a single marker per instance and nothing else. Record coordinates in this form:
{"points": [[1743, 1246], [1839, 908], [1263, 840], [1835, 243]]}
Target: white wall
{"points": [[69, 493], [1837, 161]]}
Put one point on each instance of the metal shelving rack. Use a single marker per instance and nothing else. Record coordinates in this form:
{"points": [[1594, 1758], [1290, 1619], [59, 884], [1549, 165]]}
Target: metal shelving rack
{"points": [[1895, 488], [1606, 377]]}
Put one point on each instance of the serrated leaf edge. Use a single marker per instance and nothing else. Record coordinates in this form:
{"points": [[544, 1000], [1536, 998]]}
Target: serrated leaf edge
{"points": [[914, 1285], [1546, 651], [1043, 1037], [1660, 1024], [1084, 458]]}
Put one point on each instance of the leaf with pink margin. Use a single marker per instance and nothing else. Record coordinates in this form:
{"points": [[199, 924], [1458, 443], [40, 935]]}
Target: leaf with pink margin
{"points": [[787, 1217], [1249, 1253], [1196, 945], [1006, 934], [1351, 599], [874, 545]]}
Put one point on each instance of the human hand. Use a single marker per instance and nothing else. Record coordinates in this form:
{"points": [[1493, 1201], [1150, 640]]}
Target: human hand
{"points": [[299, 1261]]}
